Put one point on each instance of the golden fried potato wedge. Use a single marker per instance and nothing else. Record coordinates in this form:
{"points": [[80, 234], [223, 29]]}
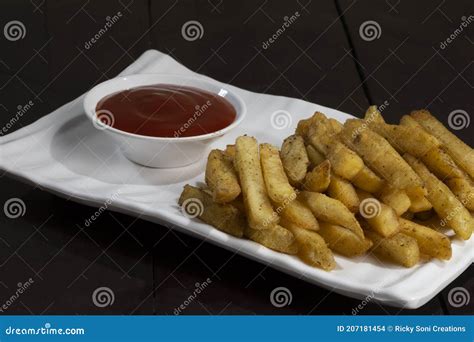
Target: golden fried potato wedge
{"points": [[278, 187], [275, 237], [294, 158], [221, 177], [399, 248], [259, 210], [395, 198], [342, 190], [405, 139], [315, 157], [430, 242], [332, 211], [343, 241], [318, 179], [367, 180], [196, 202], [298, 213], [345, 163], [312, 248], [446, 205], [462, 154], [379, 155]]}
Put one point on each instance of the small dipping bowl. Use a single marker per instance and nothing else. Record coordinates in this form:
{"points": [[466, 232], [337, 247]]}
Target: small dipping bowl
{"points": [[160, 152]]}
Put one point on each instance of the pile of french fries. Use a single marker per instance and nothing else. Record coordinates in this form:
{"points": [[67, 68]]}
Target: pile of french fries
{"points": [[396, 191]]}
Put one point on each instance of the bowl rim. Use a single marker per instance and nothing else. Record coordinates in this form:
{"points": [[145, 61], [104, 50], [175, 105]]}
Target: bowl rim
{"points": [[240, 114]]}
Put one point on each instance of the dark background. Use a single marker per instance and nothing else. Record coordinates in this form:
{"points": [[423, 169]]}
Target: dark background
{"points": [[321, 58]]}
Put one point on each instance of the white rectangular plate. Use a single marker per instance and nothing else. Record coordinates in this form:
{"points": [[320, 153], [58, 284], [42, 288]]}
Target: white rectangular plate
{"points": [[65, 154]]}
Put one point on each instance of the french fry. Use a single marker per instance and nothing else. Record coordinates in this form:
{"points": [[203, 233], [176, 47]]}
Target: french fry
{"points": [[379, 217], [462, 154], [379, 155], [298, 213], [332, 211], [343, 241], [275, 237], [281, 192], [399, 248], [430, 242], [446, 205], [464, 191], [294, 158], [367, 180], [315, 157], [197, 203], [405, 139], [221, 177], [395, 198], [318, 179], [230, 151], [344, 191], [312, 248], [278, 188], [258, 207]]}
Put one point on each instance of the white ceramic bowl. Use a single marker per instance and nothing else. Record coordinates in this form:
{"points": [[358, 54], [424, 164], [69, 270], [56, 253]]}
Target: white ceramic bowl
{"points": [[161, 152]]}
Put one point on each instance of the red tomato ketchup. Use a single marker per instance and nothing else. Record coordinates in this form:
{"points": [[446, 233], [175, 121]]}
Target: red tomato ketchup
{"points": [[166, 110]]}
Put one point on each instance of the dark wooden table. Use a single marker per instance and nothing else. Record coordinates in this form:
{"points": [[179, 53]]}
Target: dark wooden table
{"points": [[322, 57]]}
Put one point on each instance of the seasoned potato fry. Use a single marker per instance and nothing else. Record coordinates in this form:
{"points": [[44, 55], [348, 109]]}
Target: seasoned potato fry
{"points": [[323, 137], [399, 248], [278, 188], [379, 217], [197, 203], [345, 163], [230, 151], [446, 205], [430, 242], [418, 202], [318, 179], [303, 127], [294, 158], [464, 191], [315, 157], [332, 211], [275, 237], [343, 241], [379, 155], [462, 154], [442, 165], [258, 207], [312, 248], [221, 177], [344, 191], [367, 180], [298, 213], [395, 198], [405, 139]]}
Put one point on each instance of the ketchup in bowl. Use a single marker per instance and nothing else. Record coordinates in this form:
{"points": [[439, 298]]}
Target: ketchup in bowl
{"points": [[166, 110]]}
